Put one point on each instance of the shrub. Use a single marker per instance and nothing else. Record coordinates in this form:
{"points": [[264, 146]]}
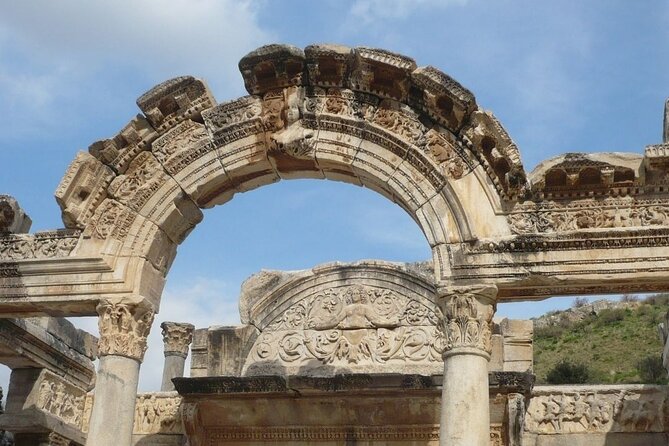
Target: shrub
{"points": [[651, 370], [579, 302], [661, 299], [611, 315], [549, 331], [629, 298], [567, 372]]}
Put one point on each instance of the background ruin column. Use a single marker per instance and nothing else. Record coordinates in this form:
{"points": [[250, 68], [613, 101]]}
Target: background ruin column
{"points": [[177, 338], [123, 332], [467, 324]]}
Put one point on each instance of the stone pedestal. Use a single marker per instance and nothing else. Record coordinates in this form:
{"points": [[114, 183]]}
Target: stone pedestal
{"points": [[467, 325], [123, 332], [177, 337]]}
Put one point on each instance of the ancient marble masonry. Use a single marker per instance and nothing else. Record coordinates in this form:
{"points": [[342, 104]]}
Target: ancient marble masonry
{"points": [[578, 224], [354, 325]]}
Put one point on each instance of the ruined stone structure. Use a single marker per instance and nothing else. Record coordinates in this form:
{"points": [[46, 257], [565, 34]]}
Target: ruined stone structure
{"points": [[578, 224]]}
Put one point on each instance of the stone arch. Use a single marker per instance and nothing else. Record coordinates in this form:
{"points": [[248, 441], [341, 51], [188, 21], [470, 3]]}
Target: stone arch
{"points": [[364, 116]]}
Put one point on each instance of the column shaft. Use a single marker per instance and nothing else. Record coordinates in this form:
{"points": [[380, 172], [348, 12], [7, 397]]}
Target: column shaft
{"points": [[174, 368], [113, 415], [465, 402]]}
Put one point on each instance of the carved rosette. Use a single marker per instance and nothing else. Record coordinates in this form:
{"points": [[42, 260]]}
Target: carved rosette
{"points": [[467, 319], [177, 337], [124, 329]]}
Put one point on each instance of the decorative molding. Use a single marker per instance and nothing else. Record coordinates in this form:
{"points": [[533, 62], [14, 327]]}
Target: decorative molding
{"points": [[467, 319], [316, 434], [177, 337], [123, 329], [43, 245]]}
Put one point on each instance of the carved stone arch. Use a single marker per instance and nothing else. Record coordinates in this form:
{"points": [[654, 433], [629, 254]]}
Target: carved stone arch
{"points": [[364, 116]]}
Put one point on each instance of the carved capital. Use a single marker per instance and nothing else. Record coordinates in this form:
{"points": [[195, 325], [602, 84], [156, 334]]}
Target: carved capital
{"points": [[124, 329], [466, 319], [177, 338]]}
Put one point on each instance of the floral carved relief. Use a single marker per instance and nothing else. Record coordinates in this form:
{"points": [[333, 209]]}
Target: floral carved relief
{"points": [[352, 326], [123, 329]]}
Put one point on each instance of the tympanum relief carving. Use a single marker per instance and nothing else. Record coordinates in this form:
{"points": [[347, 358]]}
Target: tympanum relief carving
{"points": [[352, 327]]}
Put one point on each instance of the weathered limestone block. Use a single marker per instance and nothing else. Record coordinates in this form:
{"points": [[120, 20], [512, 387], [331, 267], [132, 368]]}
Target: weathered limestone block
{"points": [[82, 189], [40, 402], [147, 189], [599, 415], [567, 173], [271, 67], [442, 97], [119, 151], [50, 343], [189, 155], [501, 157], [328, 65], [518, 349], [380, 72], [13, 219], [174, 101]]}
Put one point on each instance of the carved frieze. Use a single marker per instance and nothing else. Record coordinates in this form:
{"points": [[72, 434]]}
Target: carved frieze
{"points": [[60, 399], [590, 410], [177, 337], [157, 413], [354, 326], [317, 434], [43, 245], [589, 214], [123, 329], [467, 319]]}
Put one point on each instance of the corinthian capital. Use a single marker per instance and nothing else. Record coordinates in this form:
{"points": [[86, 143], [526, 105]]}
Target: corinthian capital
{"points": [[177, 337], [467, 319], [124, 329]]}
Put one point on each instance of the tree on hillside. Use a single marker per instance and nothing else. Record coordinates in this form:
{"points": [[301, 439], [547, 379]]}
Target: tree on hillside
{"points": [[567, 372]]}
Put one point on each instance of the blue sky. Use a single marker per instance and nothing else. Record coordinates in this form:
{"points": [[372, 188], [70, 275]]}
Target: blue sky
{"points": [[560, 75]]}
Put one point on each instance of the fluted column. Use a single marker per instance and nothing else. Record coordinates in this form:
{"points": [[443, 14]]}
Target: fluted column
{"points": [[177, 338], [467, 325], [123, 331]]}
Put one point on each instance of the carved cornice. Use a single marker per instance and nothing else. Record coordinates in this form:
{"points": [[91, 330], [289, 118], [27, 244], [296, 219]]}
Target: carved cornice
{"points": [[177, 337], [124, 329], [467, 319]]}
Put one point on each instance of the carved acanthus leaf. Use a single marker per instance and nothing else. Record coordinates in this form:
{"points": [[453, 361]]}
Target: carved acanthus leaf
{"points": [[177, 337], [123, 329]]}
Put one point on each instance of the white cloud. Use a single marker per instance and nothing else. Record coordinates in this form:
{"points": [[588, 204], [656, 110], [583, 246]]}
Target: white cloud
{"points": [[371, 10], [52, 51]]}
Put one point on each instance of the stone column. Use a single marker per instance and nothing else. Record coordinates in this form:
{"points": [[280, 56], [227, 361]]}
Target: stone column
{"points": [[467, 326], [123, 332], [177, 338]]}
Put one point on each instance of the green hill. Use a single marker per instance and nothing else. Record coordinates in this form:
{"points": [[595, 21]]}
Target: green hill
{"points": [[610, 338]]}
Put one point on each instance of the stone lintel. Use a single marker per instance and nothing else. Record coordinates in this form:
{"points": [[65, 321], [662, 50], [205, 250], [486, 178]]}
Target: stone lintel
{"points": [[500, 382], [50, 343]]}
